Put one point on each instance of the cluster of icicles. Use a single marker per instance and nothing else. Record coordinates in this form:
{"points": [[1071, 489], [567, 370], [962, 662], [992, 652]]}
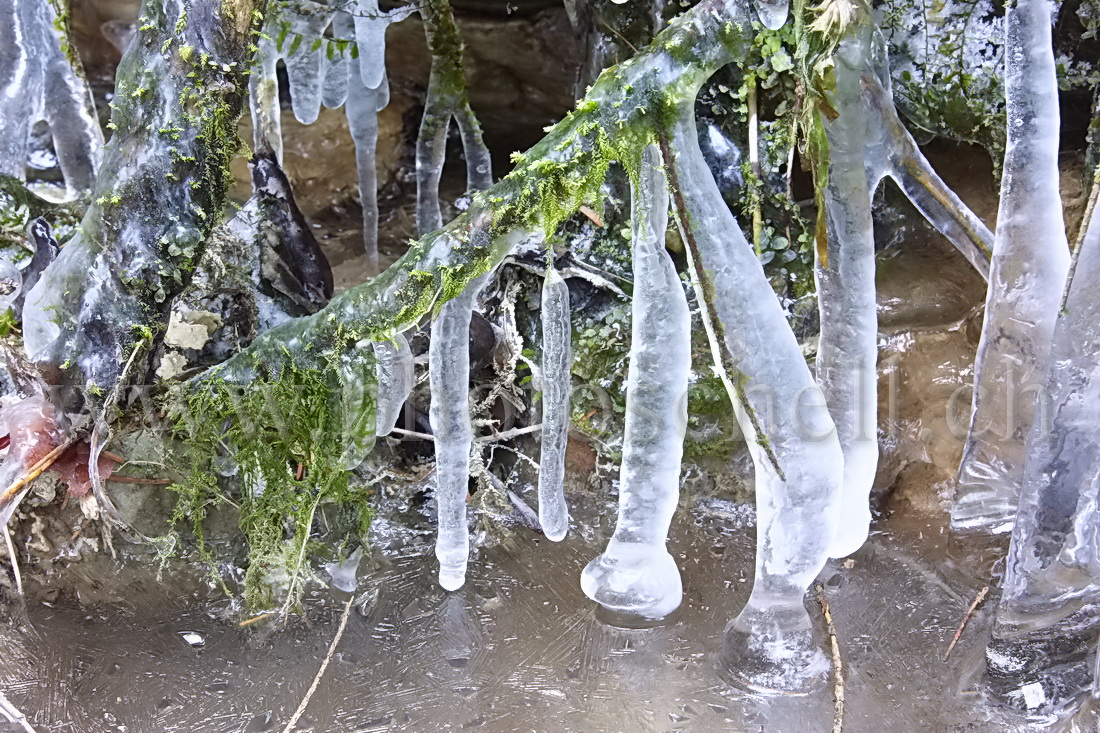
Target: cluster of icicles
{"points": [[812, 437]]}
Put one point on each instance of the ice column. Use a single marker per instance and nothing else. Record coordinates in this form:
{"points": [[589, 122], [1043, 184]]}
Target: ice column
{"points": [[449, 415], [1026, 279], [359, 401], [362, 109], [395, 380], [556, 382], [1049, 616], [38, 82], [263, 98], [796, 453], [847, 355], [636, 574]]}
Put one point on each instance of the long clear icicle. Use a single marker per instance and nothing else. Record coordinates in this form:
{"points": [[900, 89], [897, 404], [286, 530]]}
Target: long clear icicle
{"points": [[395, 380], [1028, 273], [556, 382], [306, 67], [263, 98], [1049, 614], [449, 415], [847, 355], [362, 108], [770, 643], [636, 574]]}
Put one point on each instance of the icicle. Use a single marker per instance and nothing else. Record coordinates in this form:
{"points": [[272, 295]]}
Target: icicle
{"points": [[263, 98], [362, 110], [636, 574], [395, 380], [1030, 263], [38, 82], [449, 415], [446, 98], [796, 453], [847, 355], [556, 383], [305, 68], [358, 388], [1049, 613], [335, 86], [370, 37]]}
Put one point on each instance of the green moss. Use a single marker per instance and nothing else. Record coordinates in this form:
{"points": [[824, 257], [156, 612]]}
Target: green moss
{"points": [[296, 422]]}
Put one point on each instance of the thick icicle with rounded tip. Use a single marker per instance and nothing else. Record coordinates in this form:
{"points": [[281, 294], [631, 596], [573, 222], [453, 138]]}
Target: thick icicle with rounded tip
{"points": [[449, 415], [791, 438], [306, 67], [772, 13], [636, 575], [556, 381]]}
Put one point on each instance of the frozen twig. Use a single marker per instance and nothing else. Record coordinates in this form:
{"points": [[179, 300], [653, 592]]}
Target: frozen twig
{"points": [[324, 665], [14, 561], [838, 666], [966, 619], [14, 714]]}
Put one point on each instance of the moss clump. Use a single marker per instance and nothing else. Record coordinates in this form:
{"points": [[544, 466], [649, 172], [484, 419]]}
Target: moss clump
{"points": [[289, 434]]}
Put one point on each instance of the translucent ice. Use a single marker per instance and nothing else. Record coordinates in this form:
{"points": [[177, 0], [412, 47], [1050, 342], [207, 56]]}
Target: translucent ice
{"points": [[556, 383], [362, 109], [847, 355], [636, 574], [791, 437], [1049, 614], [39, 82], [1026, 279], [395, 380], [449, 414], [305, 68]]}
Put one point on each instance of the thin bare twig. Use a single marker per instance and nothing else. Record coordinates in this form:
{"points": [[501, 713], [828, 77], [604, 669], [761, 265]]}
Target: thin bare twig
{"points": [[966, 619], [254, 619], [35, 471], [14, 561], [838, 667], [324, 665]]}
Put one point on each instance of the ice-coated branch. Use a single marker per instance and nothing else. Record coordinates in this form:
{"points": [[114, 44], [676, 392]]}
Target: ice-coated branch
{"points": [[917, 179], [847, 354], [1049, 615], [41, 79], [160, 191], [636, 574], [556, 383], [446, 98], [449, 414], [1028, 273], [770, 644], [564, 171]]}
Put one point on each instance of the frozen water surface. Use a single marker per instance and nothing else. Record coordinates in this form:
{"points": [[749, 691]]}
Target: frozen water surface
{"points": [[518, 648]]}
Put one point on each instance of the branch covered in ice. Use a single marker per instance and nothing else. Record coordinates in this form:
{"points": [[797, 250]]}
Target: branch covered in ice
{"points": [[446, 98]]}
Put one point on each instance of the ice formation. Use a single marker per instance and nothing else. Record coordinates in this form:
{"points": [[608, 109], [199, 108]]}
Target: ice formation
{"points": [[39, 80], [791, 438], [847, 355], [556, 383], [1029, 267], [446, 98], [449, 415], [636, 574], [1049, 615], [395, 380]]}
